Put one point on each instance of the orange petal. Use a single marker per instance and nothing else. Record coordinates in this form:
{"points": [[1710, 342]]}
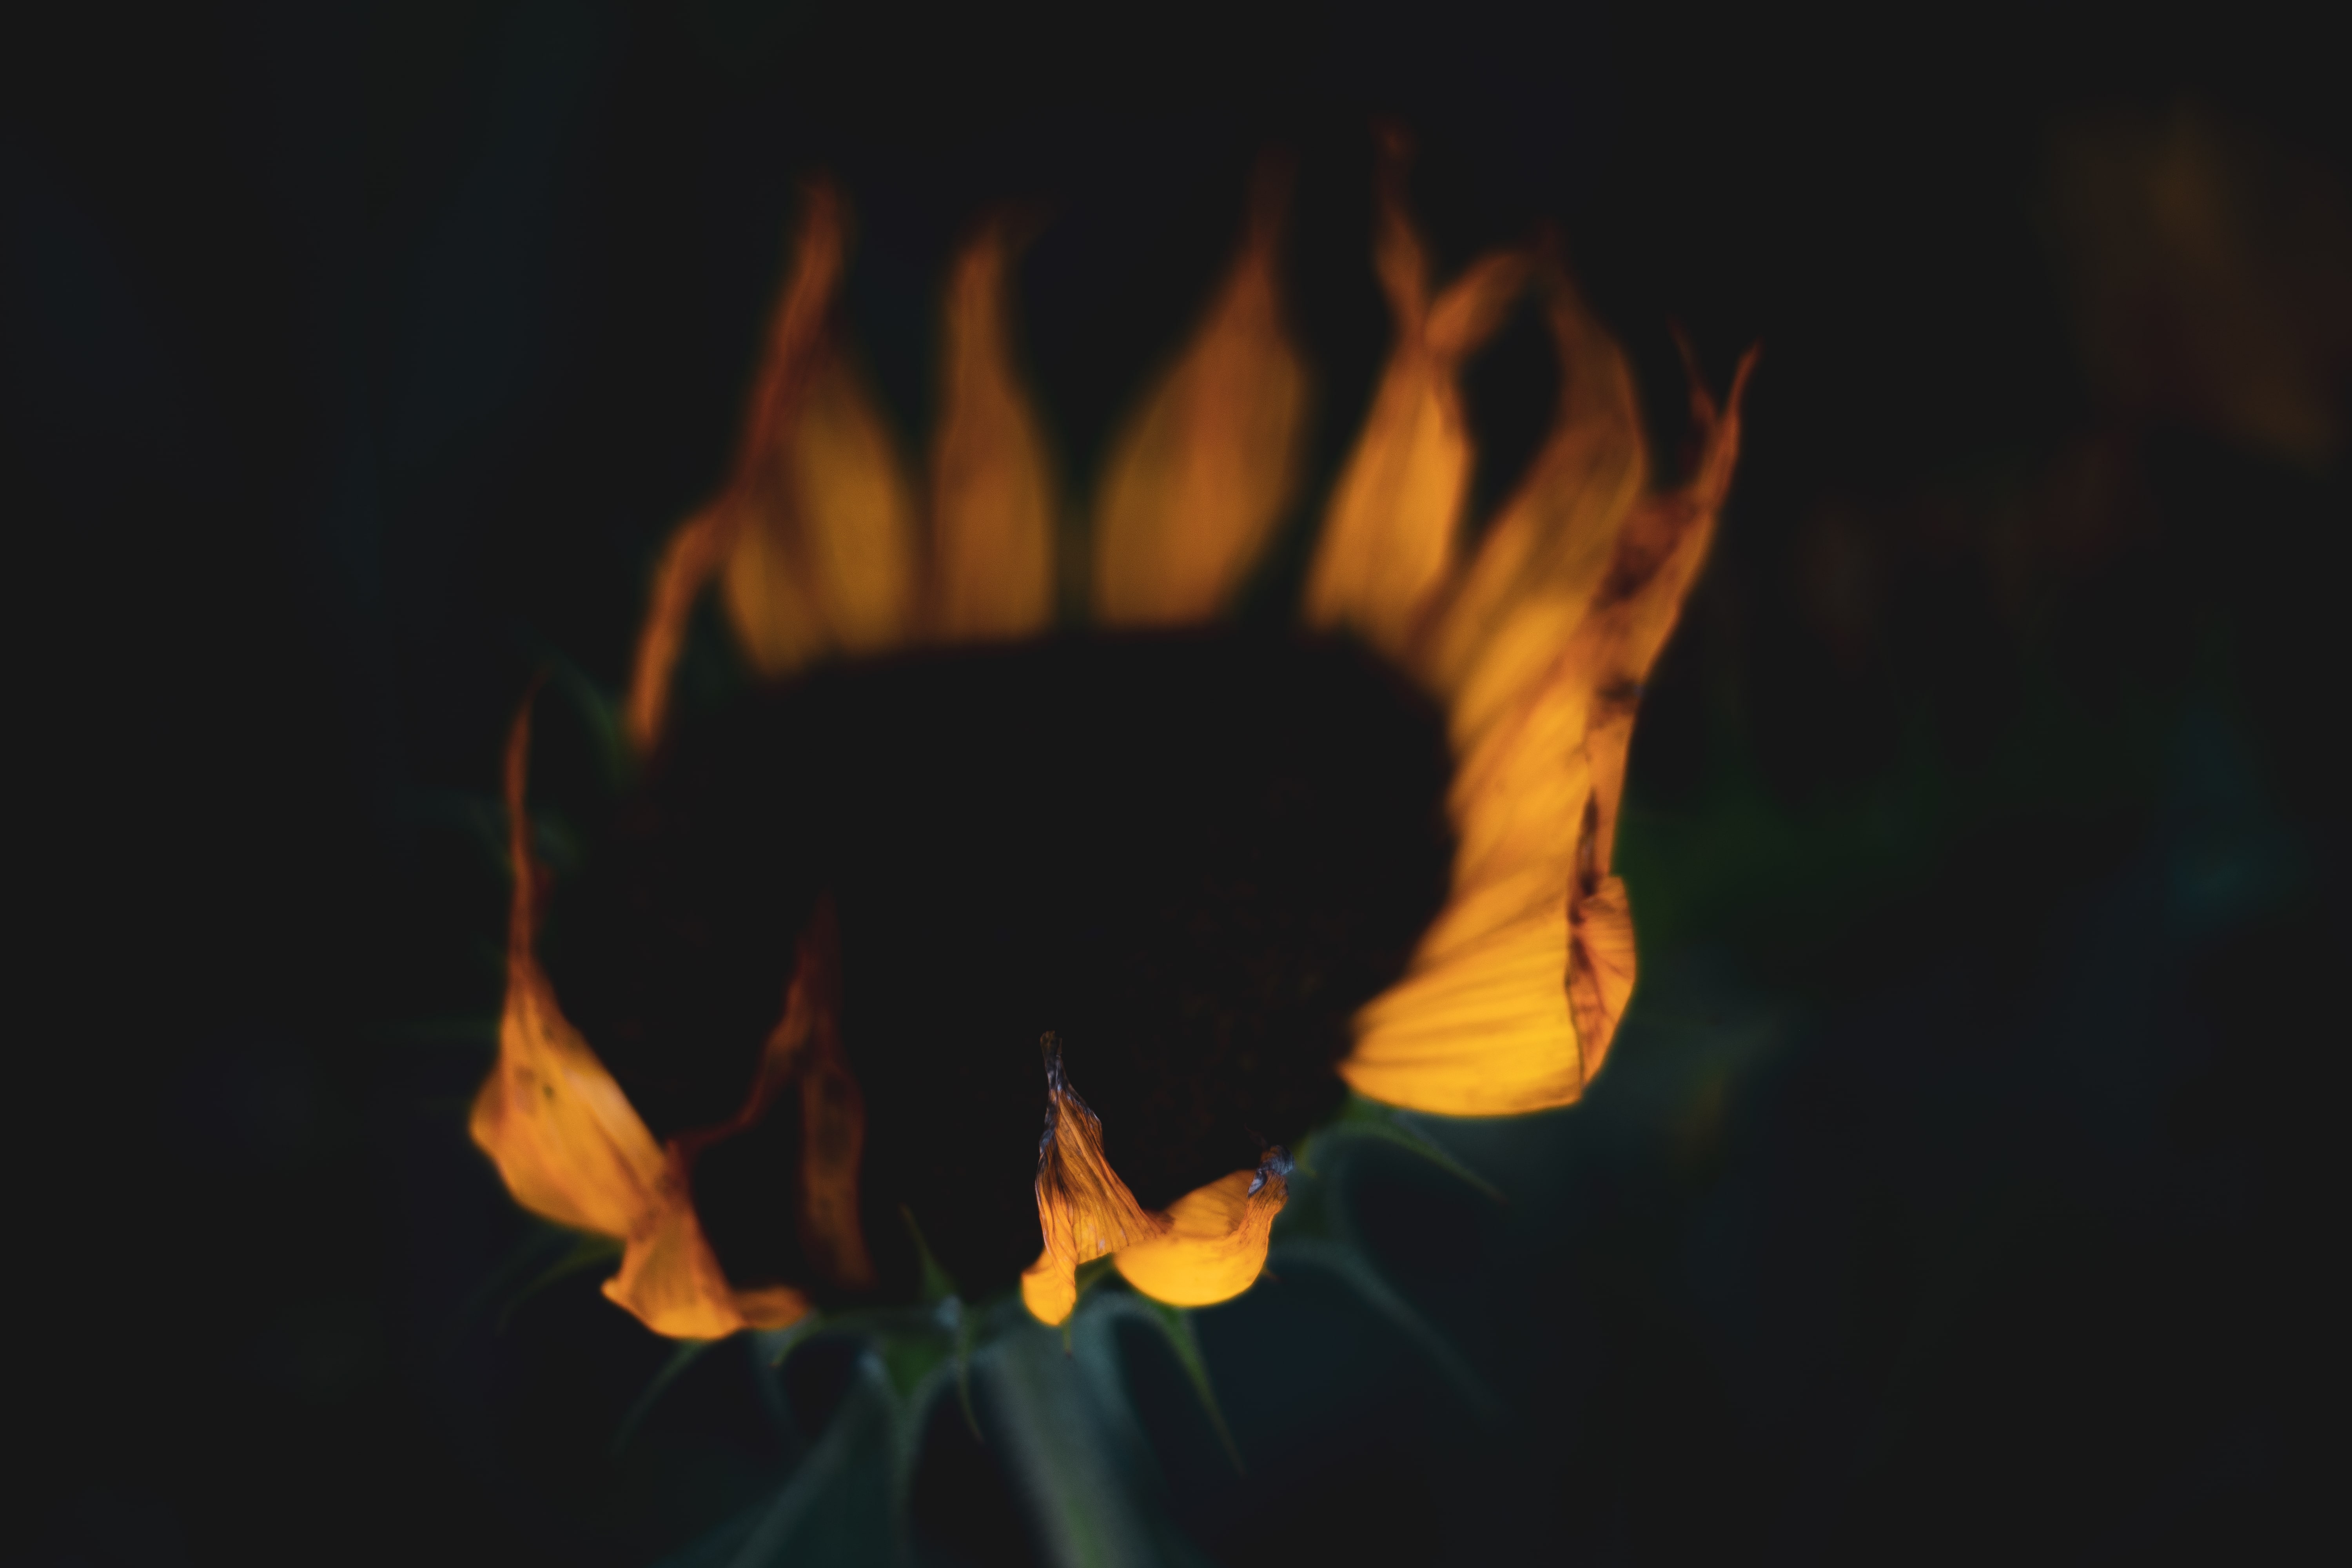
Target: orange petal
{"points": [[1215, 1243], [1527, 588], [572, 1148], [1083, 1208], [992, 504], [813, 536], [671, 1281], [566, 1139], [1200, 476], [1388, 541], [823, 557], [1512, 999]]}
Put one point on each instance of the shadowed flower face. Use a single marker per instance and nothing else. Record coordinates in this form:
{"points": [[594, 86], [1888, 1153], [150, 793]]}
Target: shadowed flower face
{"points": [[1040, 936]]}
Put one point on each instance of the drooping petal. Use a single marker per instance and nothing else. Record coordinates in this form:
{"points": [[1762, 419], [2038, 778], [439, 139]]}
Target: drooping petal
{"points": [[1389, 538], [1200, 476], [1512, 999], [1657, 559], [814, 537], [992, 490], [833, 1110], [572, 1148], [1215, 1244], [1084, 1211]]}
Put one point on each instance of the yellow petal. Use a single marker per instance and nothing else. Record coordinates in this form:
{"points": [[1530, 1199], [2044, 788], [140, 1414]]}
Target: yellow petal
{"points": [[572, 1148], [1486, 1033], [1084, 1210], [1535, 571], [1200, 476], [1215, 1245], [1515, 992], [1389, 538], [992, 506]]}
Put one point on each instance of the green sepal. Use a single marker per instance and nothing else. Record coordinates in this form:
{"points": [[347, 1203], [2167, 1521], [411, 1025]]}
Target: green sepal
{"points": [[1175, 1324], [586, 1252], [1362, 1118], [686, 1354]]}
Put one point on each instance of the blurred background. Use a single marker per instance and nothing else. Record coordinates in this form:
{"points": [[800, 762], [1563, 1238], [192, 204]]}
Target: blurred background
{"points": [[1955, 1188]]}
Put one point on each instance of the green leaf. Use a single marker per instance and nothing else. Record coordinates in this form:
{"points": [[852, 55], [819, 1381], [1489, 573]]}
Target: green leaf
{"points": [[1176, 1324], [1352, 1269], [1370, 1119]]}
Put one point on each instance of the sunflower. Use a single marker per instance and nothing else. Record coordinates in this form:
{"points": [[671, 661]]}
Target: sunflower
{"points": [[982, 936]]}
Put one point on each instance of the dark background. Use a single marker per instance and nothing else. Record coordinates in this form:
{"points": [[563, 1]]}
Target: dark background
{"points": [[1957, 1187]]}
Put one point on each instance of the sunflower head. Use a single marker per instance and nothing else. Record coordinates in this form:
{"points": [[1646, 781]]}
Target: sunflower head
{"points": [[973, 932]]}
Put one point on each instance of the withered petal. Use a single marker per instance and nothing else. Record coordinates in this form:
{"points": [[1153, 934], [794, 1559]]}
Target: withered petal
{"points": [[1084, 1210], [571, 1147]]}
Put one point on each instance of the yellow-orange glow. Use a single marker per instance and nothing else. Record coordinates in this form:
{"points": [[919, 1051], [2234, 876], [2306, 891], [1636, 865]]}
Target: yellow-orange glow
{"points": [[992, 487], [1200, 476], [572, 1149], [1214, 1247], [1084, 1209], [1388, 541]]}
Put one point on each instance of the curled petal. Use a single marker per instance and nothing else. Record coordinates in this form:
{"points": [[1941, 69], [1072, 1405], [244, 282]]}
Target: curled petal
{"points": [[1600, 969], [1214, 1247], [1084, 1211], [992, 504], [1513, 997], [1389, 539], [572, 1148], [1526, 589], [1198, 478]]}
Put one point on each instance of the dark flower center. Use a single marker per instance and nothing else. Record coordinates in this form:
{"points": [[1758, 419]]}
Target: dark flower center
{"points": [[1193, 855]]}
